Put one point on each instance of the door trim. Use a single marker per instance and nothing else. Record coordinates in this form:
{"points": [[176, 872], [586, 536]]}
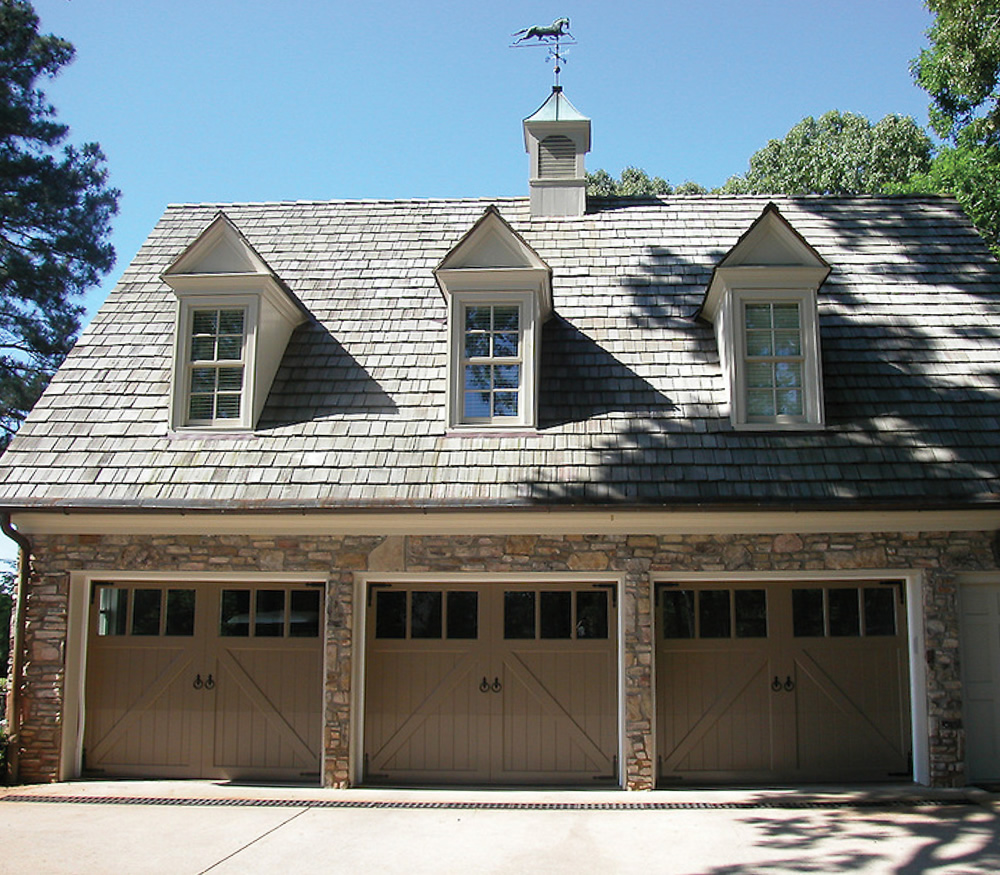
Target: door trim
{"points": [[81, 583], [913, 580], [359, 645]]}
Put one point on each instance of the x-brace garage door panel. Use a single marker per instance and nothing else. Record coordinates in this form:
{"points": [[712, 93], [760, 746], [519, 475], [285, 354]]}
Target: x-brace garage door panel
{"points": [[204, 681], [782, 682], [490, 683]]}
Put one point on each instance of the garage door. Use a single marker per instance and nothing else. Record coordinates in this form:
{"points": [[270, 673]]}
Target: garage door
{"points": [[491, 684], [204, 681], [782, 682], [981, 680]]}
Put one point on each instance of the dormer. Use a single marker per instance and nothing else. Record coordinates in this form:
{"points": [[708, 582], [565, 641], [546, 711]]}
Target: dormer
{"points": [[499, 293], [762, 301], [234, 319], [556, 138]]}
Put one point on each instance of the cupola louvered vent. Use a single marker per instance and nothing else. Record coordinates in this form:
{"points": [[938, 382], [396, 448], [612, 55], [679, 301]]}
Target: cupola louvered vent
{"points": [[556, 158]]}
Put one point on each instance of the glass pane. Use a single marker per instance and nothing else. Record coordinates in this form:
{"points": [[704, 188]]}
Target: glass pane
{"points": [[227, 407], [787, 343], [786, 316], [759, 343], [789, 402], [463, 614], [303, 615], [880, 611], [230, 348], [146, 611], [203, 379], [591, 614], [269, 619], [751, 613], [760, 402], [425, 615], [180, 612], [845, 612], [201, 407], [760, 375], [807, 613], [505, 404], [478, 377], [235, 619], [713, 614], [204, 321], [556, 614], [505, 318], [758, 316], [390, 615], [230, 379], [477, 405], [203, 349], [507, 376], [678, 613], [787, 375], [112, 611], [477, 318], [505, 345], [477, 345], [231, 322], [519, 614]]}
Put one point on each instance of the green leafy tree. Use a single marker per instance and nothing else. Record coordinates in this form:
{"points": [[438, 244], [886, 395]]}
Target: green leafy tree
{"points": [[839, 153], [635, 182], [55, 217], [960, 70]]}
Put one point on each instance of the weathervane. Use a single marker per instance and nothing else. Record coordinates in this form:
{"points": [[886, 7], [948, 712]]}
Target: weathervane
{"points": [[548, 35]]}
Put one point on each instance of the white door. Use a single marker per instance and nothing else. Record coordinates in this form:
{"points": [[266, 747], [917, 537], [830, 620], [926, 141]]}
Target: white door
{"points": [[782, 682], [980, 636], [204, 681], [491, 684]]}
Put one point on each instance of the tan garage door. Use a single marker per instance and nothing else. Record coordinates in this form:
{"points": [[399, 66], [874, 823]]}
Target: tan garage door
{"points": [[491, 684], [204, 681], [803, 682], [981, 680]]}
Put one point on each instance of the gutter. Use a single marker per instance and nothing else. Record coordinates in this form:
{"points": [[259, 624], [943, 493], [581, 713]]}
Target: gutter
{"points": [[17, 646]]}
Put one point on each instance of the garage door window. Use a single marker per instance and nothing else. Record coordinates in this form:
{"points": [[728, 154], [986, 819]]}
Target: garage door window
{"points": [[843, 612], [714, 613], [269, 613], [139, 611], [549, 614], [425, 614]]}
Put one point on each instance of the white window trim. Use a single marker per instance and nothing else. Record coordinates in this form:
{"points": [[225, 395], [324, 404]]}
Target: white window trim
{"points": [[530, 326], [186, 306], [812, 416]]}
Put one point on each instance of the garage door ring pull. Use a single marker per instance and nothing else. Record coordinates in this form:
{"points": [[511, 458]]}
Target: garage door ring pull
{"points": [[497, 686], [209, 683], [198, 682], [484, 686], [776, 684], [789, 683]]}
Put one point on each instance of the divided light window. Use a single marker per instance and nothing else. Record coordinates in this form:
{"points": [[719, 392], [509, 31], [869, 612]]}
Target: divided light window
{"points": [[492, 362], [774, 360], [217, 366]]}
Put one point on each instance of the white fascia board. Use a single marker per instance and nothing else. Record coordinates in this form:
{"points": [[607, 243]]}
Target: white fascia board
{"points": [[725, 279], [265, 285], [471, 521], [538, 280]]}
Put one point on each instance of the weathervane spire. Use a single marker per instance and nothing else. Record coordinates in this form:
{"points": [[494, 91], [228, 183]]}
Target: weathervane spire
{"points": [[549, 36]]}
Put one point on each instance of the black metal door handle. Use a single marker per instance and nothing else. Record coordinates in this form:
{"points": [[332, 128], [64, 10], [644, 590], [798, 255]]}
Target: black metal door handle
{"points": [[789, 683], [198, 682], [497, 686], [484, 685], [776, 684], [209, 683]]}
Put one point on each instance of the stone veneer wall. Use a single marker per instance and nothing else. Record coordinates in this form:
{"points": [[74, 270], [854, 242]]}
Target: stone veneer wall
{"points": [[633, 557]]}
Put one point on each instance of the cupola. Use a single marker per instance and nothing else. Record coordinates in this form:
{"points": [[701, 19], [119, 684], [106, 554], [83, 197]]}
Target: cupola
{"points": [[556, 138]]}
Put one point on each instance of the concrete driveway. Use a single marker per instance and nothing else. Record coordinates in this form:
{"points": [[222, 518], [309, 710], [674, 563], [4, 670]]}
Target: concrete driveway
{"points": [[195, 827]]}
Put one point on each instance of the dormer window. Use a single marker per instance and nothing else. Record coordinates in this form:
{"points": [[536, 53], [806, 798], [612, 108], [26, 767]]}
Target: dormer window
{"points": [[763, 303], [498, 292], [217, 365], [234, 319]]}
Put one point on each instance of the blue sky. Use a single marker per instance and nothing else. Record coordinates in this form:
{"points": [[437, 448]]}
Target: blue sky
{"points": [[236, 100]]}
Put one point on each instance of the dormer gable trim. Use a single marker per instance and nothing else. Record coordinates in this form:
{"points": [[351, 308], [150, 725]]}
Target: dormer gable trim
{"points": [[770, 253], [492, 256]]}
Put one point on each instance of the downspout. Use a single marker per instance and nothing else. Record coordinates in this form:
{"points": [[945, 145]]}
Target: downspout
{"points": [[17, 646]]}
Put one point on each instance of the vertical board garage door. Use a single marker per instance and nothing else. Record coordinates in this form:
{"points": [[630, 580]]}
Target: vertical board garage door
{"points": [[204, 681], [491, 684], [804, 682], [980, 636]]}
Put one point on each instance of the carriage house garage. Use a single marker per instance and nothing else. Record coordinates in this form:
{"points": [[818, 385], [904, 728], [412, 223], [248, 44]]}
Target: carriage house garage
{"points": [[521, 491]]}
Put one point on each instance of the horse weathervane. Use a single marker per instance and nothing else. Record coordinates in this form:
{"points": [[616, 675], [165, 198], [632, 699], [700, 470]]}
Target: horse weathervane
{"points": [[548, 35]]}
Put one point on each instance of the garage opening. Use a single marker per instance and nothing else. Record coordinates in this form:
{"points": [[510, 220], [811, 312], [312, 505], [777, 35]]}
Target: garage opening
{"points": [[204, 681], [782, 682], [492, 684]]}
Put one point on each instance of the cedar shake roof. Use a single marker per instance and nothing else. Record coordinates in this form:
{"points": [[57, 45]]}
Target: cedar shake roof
{"points": [[631, 391]]}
